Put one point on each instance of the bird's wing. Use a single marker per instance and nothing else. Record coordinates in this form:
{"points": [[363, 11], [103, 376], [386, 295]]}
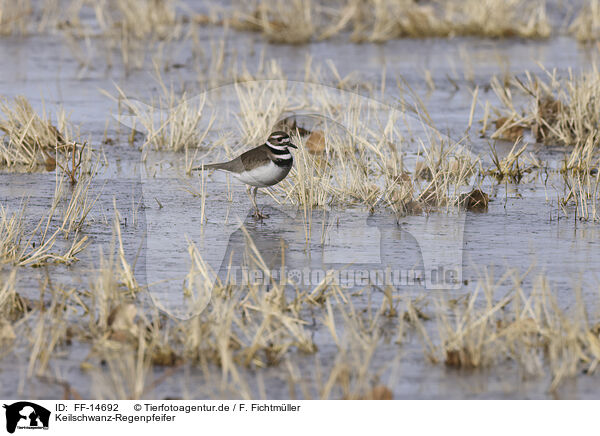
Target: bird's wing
{"points": [[253, 158]]}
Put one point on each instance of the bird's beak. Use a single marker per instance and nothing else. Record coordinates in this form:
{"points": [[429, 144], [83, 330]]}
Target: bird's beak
{"points": [[292, 145]]}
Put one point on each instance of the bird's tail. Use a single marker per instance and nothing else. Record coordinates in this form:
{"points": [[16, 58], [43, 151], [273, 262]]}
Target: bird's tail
{"points": [[214, 166]]}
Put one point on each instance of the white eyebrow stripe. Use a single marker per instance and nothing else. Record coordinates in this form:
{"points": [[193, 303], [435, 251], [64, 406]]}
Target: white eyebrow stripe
{"points": [[277, 147]]}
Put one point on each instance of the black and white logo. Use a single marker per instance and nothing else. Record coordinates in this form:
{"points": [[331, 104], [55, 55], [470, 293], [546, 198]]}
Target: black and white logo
{"points": [[26, 415]]}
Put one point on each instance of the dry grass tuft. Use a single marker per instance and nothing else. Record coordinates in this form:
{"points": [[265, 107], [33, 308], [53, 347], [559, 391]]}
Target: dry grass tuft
{"points": [[21, 246], [301, 21], [128, 28], [528, 328], [31, 140], [286, 22], [380, 21], [14, 16], [582, 180], [508, 167], [52, 238], [586, 25], [560, 110], [172, 122]]}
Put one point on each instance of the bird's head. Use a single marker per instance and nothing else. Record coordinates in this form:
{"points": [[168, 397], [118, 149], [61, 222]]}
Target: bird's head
{"points": [[280, 139]]}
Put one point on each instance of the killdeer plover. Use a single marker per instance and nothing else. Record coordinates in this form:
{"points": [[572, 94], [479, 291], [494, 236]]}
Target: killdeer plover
{"points": [[265, 165]]}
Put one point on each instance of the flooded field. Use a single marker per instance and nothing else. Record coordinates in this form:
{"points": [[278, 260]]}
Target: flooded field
{"points": [[438, 236]]}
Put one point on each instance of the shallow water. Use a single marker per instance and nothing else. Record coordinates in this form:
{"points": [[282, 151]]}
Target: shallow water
{"points": [[521, 229]]}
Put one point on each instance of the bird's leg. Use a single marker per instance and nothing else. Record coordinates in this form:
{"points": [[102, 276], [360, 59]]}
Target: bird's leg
{"points": [[253, 198], [257, 213]]}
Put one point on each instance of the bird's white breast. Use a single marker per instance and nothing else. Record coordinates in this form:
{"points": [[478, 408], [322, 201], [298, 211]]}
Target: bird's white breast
{"points": [[263, 176]]}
